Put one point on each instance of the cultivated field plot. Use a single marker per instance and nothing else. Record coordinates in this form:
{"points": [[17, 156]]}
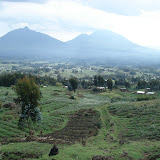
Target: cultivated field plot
{"points": [[108, 123], [55, 106], [138, 120]]}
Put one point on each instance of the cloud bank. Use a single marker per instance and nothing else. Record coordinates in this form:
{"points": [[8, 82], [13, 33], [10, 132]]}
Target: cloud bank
{"points": [[65, 19]]}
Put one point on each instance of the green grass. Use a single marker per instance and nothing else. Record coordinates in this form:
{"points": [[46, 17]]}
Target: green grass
{"points": [[138, 121], [94, 146], [134, 122]]}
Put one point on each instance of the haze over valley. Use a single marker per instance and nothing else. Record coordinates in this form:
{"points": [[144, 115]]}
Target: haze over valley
{"points": [[101, 44]]}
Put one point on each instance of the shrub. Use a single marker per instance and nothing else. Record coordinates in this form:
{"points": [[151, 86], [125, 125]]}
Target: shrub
{"points": [[145, 97], [59, 84], [72, 97], [95, 89]]}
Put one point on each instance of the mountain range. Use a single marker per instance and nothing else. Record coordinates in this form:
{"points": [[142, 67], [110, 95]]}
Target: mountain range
{"points": [[100, 44]]}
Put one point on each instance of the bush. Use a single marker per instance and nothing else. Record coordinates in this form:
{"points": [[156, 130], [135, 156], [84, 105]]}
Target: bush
{"points": [[6, 94], [59, 84], [95, 89], [145, 97], [71, 97]]}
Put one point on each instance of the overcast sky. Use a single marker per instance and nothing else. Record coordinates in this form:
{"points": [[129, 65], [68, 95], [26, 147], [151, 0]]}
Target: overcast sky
{"points": [[137, 20]]}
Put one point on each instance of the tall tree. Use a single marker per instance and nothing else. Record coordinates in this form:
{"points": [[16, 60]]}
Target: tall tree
{"points": [[59, 78], [74, 83], [142, 84], [84, 84], [127, 84], [101, 80], [95, 80], [110, 83], [28, 93]]}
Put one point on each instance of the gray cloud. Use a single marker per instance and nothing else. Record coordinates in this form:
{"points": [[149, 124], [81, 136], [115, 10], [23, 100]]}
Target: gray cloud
{"points": [[123, 7]]}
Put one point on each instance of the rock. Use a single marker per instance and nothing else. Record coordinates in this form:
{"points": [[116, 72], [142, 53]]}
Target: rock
{"points": [[53, 151]]}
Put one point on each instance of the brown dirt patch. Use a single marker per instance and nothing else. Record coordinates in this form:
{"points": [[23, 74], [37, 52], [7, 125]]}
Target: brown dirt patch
{"points": [[102, 158], [55, 94], [81, 125], [9, 105], [18, 156]]}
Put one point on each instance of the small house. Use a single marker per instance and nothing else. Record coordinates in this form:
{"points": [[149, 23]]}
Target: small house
{"points": [[140, 92], [123, 89], [150, 93], [101, 88]]}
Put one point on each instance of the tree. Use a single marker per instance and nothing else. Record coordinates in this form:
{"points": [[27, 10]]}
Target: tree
{"points": [[84, 84], [142, 84], [127, 84], [101, 80], [59, 78], [110, 83], [95, 80], [29, 94], [74, 83]]}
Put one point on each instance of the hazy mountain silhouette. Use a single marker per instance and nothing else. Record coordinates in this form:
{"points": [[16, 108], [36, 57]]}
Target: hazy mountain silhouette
{"points": [[103, 39], [24, 41], [100, 44], [107, 44]]}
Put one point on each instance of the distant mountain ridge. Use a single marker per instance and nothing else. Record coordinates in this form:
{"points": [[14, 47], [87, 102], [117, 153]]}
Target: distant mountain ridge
{"points": [[25, 41], [100, 44], [105, 39]]}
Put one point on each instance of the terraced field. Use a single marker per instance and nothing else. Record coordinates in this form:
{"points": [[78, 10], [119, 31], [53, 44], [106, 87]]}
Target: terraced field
{"points": [[55, 106], [10, 130], [81, 125], [87, 126], [138, 120]]}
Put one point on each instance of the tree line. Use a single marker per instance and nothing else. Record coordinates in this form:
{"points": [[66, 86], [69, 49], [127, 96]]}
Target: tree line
{"points": [[10, 79]]}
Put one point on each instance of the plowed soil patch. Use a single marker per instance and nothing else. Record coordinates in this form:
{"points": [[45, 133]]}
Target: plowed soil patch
{"points": [[81, 125]]}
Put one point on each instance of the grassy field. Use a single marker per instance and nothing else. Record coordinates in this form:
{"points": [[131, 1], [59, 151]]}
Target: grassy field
{"points": [[128, 129]]}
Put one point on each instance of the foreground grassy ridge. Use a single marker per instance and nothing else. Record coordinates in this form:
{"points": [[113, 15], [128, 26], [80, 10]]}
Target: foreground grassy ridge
{"points": [[78, 151], [120, 121], [98, 145]]}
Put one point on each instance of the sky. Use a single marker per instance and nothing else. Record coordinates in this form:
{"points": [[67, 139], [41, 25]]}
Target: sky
{"points": [[137, 20]]}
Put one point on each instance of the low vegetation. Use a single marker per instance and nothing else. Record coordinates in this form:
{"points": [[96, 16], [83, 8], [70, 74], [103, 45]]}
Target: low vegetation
{"points": [[97, 121]]}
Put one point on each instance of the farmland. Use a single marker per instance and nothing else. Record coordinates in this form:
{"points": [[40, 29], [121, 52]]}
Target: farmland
{"points": [[126, 129], [87, 123]]}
